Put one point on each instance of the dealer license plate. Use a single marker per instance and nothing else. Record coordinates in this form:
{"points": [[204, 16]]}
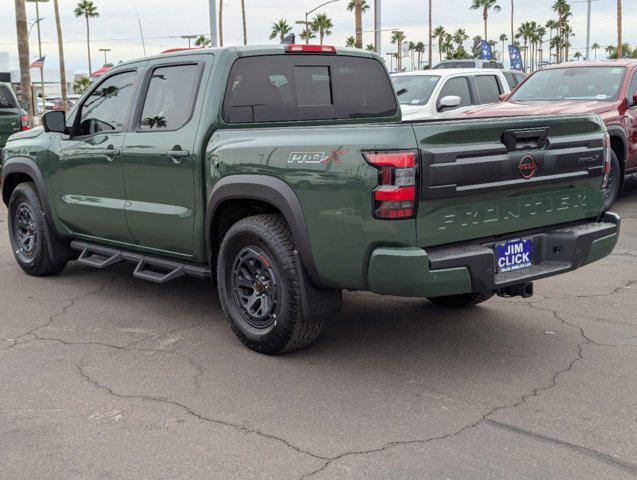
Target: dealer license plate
{"points": [[513, 255]]}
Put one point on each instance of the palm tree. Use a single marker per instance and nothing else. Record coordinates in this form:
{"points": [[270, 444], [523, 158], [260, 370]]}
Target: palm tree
{"points": [[350, 42], [58, 26], [525, 32], [485, 6], [322, 24], [202, 41], [351, 6], [23, 54], [420, 50], [358, 8], [280, 29], [370, 47], [87, 9], [81, 84], [578, 55], [551, 25], [563, 10], [243, 19], [397, 38], [439, 33], [307, 34], [221, 23], [431, 34], [447, 46], [503, 39], [619, 29], [411, 46], [596, 46]]}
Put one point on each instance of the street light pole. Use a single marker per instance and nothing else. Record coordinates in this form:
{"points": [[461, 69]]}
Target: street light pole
{"points": [[188, 37], [307, 22], [213, 23], [37, 16], [377, 26], [105, 50], [588, 32]]}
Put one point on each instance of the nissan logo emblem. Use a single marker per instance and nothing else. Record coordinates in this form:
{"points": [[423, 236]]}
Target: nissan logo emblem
{"points": [[527, 167]]}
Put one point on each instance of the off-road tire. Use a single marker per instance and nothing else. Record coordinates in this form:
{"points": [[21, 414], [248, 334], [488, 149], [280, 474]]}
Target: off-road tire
{"points": [[38, 261], [462, 300], [615, 182], [271, 235]]}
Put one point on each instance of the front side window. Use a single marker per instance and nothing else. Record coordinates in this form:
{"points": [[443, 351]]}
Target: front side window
{"points": [[457, 87], [415, 89], [307, 87], [488, 88], [6, 98], [572, 83], [632, 90], [170, 97], [106, 107]]}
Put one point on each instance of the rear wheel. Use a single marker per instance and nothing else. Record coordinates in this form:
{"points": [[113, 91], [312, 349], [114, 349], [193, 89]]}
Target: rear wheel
{"points": [[614, 182], [259, 286], [29, 232], [462, 300]]}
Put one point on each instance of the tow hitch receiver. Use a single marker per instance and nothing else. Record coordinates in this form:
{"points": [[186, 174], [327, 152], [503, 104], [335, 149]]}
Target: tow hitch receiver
{"points": [[524, 290]]}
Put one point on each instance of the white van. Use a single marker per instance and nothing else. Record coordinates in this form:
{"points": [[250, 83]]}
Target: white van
{"points": [[443, 93]]}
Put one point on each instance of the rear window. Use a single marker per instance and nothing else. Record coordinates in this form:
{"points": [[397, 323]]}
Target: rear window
{"points": [[6, 98], [488, 88], [511, 80], [307, 87]]}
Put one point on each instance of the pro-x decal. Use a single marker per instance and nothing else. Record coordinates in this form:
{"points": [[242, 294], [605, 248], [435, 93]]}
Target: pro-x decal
{"points": [[334, 155]]}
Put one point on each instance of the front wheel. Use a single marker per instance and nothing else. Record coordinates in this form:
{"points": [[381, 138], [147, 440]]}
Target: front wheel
{"points": [[259, 286], [29, 233], [614, 182], [462, 300]]}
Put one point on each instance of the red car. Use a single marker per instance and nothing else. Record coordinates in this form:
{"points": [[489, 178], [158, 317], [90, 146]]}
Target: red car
{"points": [[608, 88]]}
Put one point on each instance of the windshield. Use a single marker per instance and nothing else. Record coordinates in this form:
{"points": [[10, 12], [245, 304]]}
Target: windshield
{"points": [[573, 83], [415, 89], [6, 98]]}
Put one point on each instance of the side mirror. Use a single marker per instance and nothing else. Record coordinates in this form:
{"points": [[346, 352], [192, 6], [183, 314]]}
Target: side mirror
{"points": [[503, 97], [54, 121], [450, 101]]}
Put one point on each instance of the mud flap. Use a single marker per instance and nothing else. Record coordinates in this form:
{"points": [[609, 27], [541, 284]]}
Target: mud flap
{"points": [[318, 305]]}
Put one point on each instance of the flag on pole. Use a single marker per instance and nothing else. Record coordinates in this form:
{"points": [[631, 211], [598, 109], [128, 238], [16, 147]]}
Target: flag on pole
{"points": [[485, 50], [516, 58], [39, 63]]}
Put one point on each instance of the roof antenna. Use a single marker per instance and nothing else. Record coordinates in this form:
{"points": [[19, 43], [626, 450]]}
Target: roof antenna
{"points": [[289, 40]]}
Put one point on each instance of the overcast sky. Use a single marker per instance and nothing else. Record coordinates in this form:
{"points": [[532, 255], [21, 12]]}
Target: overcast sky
{"points": [[162, 20]]}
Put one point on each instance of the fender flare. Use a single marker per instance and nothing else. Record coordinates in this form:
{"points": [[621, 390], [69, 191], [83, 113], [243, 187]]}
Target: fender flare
{"points": [[275, 192], [27, 166], [618, 131]]}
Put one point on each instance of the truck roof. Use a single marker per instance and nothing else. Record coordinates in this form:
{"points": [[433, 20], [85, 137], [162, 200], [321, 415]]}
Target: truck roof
{"points": [[247, 51], [624, 62]]}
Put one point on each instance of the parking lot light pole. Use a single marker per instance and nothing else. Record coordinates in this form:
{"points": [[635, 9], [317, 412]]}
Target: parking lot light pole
{"points": [[307, 21], [213, 23], [105, 50], [37, 15]]}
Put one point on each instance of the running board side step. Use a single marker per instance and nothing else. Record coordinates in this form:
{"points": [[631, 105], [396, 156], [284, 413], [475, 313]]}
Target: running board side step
{"points": [[153, 269]]}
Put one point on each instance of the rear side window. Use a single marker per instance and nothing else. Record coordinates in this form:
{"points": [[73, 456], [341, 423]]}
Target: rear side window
{"points": [[458, 87], [488, 88], [170, 97], [105, 108], [6, 98], [307, 87], [510, 78], [519, 77]]}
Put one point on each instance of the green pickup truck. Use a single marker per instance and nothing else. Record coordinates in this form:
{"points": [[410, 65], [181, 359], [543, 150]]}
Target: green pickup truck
{"points": [[12, 118], [285, 173]]}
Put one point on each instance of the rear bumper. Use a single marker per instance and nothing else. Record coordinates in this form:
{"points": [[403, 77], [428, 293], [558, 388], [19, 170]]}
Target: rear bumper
{"points": [[471, 267]]}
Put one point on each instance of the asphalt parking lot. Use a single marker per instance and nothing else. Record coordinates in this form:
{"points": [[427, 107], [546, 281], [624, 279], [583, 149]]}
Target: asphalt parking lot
{"points": [[108, 377]]}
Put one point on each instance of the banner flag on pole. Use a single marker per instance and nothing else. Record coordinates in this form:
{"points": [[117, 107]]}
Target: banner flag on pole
{"points": [[485, 50], [39, 63], [516, 58]]}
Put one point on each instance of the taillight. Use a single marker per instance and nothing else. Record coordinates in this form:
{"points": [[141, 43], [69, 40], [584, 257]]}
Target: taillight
{"points": [[24, 123], [395, 196], [607, 160], [298, 48]]}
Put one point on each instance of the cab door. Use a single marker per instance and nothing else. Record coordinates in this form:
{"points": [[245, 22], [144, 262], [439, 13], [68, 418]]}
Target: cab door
{"points": [[159, 157], [630, 119], [86, 178]]}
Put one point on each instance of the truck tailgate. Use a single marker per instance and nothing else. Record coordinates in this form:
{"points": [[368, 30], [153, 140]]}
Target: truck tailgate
{"points": [[491, 177]]}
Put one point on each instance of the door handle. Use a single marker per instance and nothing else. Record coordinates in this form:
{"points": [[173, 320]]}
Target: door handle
{"points": [[177, 155], [111, 153]]}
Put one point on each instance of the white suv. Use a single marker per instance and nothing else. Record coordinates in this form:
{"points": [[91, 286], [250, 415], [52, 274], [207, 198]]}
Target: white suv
{"points": [[443, 93]]}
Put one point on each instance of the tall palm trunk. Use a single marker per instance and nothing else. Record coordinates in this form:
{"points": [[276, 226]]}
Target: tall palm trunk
{"points": [[58, 26], [88, 44], [243, 18], [23, 54], [431, 39], [221, 23], [619, 29], [512, 12], [485, 17], [358, 23]]}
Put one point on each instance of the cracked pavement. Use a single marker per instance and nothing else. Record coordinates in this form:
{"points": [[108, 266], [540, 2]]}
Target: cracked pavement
{"points": [[109, 377]]}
